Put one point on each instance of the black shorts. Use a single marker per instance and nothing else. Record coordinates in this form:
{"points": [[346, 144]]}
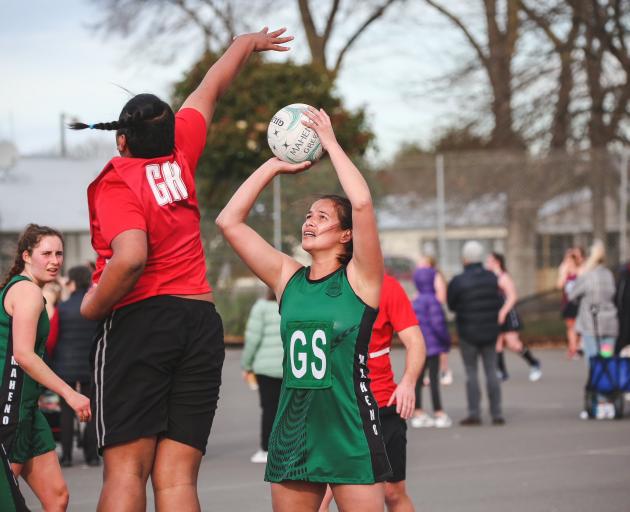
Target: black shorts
{"points": [[394, 430], [157, 371], [570, 310], [512, 322]]}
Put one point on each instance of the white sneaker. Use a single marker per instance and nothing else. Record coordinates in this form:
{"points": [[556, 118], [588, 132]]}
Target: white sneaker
{"points": [[422, 421], [260, 457], [583, 415], [442, 421], [535, 373], [446, 378]]}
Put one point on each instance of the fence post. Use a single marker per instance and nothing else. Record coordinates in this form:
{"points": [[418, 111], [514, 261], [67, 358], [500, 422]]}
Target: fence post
{"points": [[277, 214], [441, 223]]}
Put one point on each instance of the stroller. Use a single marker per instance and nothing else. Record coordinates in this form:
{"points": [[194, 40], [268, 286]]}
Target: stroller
{"points": [[608, 377]]}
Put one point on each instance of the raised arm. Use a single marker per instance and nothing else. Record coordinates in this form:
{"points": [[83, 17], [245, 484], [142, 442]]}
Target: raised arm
{"points": [[220, 75], [365, 270], [273, 267]]}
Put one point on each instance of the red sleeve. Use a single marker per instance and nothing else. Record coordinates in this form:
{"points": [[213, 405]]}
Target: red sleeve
{"points": [[190, 135], [53, 334], [399, 309], [117, 209]]}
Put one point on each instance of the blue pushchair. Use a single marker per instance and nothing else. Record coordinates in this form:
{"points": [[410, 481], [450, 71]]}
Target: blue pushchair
{"points": [[608, 377]]}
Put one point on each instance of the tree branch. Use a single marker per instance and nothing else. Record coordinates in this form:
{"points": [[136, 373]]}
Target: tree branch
{"points": [[482, 56]]}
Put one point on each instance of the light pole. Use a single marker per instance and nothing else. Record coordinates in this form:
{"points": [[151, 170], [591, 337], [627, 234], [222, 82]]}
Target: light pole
{"points": [[441, 222]]}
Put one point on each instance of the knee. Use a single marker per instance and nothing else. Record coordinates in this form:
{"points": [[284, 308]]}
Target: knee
{"points": [[394, 495], [56, 498]]}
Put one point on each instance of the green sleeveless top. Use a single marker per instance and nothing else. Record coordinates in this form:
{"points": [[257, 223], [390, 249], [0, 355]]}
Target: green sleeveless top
{"points": [[327, 427], [16, 387]]}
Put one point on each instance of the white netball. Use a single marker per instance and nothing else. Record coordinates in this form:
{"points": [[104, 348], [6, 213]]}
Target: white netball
{"points": [[289, 139]]}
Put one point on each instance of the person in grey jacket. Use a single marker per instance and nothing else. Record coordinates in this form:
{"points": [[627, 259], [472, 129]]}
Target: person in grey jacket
{"points": [[262, 356], [597, 313]]}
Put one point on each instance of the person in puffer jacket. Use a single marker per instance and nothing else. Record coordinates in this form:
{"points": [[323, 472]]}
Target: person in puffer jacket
{"points": [[262, 357], [432, 322]]}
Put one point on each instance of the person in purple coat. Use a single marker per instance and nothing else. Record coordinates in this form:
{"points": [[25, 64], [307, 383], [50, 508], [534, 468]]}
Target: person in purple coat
{"points": [[432, 322]]}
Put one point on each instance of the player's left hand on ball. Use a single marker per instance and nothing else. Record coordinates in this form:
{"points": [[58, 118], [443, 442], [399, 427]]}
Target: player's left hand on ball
{"points": [[265, 40], [319, 121], [282, 167]]}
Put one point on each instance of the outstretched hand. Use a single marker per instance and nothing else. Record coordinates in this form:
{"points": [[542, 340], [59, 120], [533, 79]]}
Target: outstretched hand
{"points": [[281, 167], [319, 121], [265, 40]]}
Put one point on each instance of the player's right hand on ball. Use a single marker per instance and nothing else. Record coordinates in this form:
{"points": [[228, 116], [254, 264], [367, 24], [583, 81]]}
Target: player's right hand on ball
{"points": [[80, 404], [265, 40], [281, 167], [319, 121]]}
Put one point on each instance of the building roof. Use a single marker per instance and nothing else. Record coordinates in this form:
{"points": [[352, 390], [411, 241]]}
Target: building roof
{"points": [[46, 190]]}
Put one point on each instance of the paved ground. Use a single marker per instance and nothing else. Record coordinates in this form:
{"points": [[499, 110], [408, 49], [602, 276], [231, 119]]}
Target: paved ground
{"points": [[544, 460]]}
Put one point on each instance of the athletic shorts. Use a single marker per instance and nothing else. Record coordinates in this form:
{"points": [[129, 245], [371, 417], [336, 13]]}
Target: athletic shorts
{"points": [[157, 371], [512, 322], [31, 438], [394, 430], [570, 310], [11, 499]]}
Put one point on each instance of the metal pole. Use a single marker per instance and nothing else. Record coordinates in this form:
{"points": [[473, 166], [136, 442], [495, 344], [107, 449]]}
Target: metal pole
{"points": [[62, 135], [623, 208], [439, 176], [277, 215]]}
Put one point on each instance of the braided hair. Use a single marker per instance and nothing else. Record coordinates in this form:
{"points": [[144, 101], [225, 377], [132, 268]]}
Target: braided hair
{"points": [[148, 124], [28, 240]]}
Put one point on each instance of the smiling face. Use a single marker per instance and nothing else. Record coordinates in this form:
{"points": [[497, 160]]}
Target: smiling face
{"points": [[322, 229], [43, 263]]}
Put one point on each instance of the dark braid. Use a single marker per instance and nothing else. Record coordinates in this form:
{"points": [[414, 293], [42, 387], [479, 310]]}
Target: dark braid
{"points": [[28, 240], [146, 121]]}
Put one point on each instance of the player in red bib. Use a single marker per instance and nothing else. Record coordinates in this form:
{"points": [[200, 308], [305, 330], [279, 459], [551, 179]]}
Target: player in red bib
{"points": [[159, 353], [396, 402]]}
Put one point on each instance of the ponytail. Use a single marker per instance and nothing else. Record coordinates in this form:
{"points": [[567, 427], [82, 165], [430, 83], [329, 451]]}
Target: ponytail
{"points": [[28, 240], [146, 121]]}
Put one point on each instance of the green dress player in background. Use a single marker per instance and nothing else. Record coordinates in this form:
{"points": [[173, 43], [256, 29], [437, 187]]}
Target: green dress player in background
{"points": [[327, 428], [27, 447]]}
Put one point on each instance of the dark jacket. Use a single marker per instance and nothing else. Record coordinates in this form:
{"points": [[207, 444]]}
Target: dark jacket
{"points": [[474, 297], [71, 359]]}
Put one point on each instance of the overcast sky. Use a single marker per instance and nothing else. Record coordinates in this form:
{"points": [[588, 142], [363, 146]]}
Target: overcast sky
{"points": [[52, 63]]}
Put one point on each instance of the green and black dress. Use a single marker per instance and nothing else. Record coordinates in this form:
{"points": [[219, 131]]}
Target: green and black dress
{"points": [[327, 427]]}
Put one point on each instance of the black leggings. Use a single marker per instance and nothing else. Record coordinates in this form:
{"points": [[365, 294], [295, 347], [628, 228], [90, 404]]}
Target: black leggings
{"points": [[433, 363], [269, 392]]}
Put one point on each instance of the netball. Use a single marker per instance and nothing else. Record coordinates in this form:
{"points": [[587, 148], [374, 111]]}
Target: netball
{"points": [[289, 139]]}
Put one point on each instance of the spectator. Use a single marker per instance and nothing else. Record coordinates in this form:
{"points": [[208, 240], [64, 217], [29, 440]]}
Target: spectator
{"points": [[71, 361], [597, 320], [623, 307], [430, 315], [474, 297], [262, 356], [567, 274]]}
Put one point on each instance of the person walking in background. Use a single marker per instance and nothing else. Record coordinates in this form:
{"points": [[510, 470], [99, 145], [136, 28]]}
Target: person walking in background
{"points": [[509, 321], [262, 357], [623, 307], [428, 310], [71, 361], [567, 274], [474, 297], [395, 402], [597, 321]]}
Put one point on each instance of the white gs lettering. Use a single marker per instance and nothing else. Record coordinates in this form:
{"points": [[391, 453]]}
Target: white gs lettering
{"points": [[319, 354], [166, 182], [298, 372]]}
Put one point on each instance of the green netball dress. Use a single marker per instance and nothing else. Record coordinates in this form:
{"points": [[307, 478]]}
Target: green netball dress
{"points": [[327, 426], [24, 431]]}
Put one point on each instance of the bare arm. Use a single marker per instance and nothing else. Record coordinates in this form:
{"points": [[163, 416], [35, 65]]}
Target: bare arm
{"points": [[509, 291], [120, 275], [405, 393], [365, 270], [222, 73], [24, 303], [273, 267], [440, 288]]}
